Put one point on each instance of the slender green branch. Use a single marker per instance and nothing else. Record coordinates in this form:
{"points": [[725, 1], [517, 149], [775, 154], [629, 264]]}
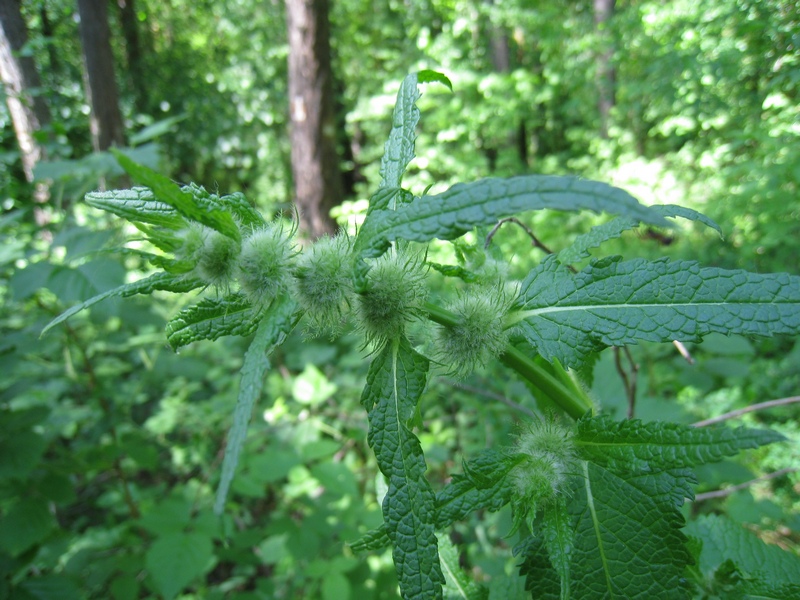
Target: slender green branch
{"points": [[545, 383]]}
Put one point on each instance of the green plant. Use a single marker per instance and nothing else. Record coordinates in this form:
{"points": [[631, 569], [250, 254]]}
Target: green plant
{"points": [[597, 502]]}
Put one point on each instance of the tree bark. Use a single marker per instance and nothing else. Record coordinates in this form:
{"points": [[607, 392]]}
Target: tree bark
{"points": [[28, 111], [316, 169], [133, 51], [106, 123], [606, 73]]}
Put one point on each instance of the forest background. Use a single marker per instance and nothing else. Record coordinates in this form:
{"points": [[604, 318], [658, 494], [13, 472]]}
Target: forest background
{"points": [[110, 445]]}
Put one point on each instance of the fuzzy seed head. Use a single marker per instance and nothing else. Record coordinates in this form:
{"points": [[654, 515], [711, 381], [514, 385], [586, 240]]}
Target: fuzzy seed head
{"points": [[216, 257], [394, 296], [547, 459], [264, 268], [323, 282], [480, 334]]}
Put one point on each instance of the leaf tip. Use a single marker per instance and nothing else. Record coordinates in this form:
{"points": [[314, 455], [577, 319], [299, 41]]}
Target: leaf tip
{"points": [[430, 76]]}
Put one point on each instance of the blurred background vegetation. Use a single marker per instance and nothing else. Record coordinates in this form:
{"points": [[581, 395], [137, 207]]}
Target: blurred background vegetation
{"points": [[110, 444]]}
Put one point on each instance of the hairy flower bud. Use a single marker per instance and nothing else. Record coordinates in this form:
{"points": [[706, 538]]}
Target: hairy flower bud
{"points": [[546, 460], [216, 255], [264, 268], [394, 296], [480, 334], [323, 282]]}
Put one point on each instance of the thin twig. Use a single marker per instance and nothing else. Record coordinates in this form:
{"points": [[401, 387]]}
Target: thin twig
{"points": [[738, 488], [683, 351], [536, 242], [629, 382], [499, 397], [742, 411]]}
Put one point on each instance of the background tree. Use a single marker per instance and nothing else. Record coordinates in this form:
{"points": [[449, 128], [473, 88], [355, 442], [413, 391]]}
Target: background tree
{"points": [[316, 168], [26, 105], [605, 75], [107, 126]]}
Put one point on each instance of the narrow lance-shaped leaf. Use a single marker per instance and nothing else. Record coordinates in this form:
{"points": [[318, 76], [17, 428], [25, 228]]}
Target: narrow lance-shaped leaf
{"points": [[209, 214], [276, 324], [558, 538], [395, 382], [632, 445], [483, 487], [459, 583], [614, 303], [467, 205], [158, 282], [212, 318], [137, 205], [579, 249], [398, 151]]}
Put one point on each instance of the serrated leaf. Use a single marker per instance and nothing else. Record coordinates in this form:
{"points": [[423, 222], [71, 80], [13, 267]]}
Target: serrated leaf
{"points": [[137, 205], [632, 445], [464, 206], [176, 559], [395, 382], [484, 487], [211, 318], [275, 325], [558, 539], [613, 303], [626, 544], [236, 203], [540, 577], [165, 282], [723, 540], [459, 584], [455, 271], [210, 214], [398, 151], [579, 249]]}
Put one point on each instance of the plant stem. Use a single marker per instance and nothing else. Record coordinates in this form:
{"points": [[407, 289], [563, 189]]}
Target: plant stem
{"points": [[545, 381]]}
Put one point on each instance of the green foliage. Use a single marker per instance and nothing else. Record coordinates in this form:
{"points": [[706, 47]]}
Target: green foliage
{"points": [[596, 504]]}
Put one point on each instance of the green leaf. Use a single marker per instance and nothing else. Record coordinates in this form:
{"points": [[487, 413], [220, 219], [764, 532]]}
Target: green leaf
{"points": [[137, 205], [723, 540], [26, 523], [483, 487], [159, 281], [455, 271], [626, 544], [208, 213], [395, 382], [212, 318], [614, 303], [540, 577], [616, 227], [176, 559], [632, 445], [272, 331], [459, 584], [399, 148], [558, 538], [50, 587], [236, 203], [467, 205]]}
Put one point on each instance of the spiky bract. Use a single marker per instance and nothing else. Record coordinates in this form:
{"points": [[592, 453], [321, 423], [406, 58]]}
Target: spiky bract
{"points": [[480, 334], [394, 296], [323, 282], [216, 255], [264, 269]]}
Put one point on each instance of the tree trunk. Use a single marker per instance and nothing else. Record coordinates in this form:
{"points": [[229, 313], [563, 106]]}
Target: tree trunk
{"points": [[133, 51], [606, 74], [106, 122], [28, 113], [315, 163]]}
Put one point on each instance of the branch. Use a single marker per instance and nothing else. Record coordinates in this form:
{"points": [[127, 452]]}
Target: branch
{"points": [[753, 407], [737, 488], [499, 397]]}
